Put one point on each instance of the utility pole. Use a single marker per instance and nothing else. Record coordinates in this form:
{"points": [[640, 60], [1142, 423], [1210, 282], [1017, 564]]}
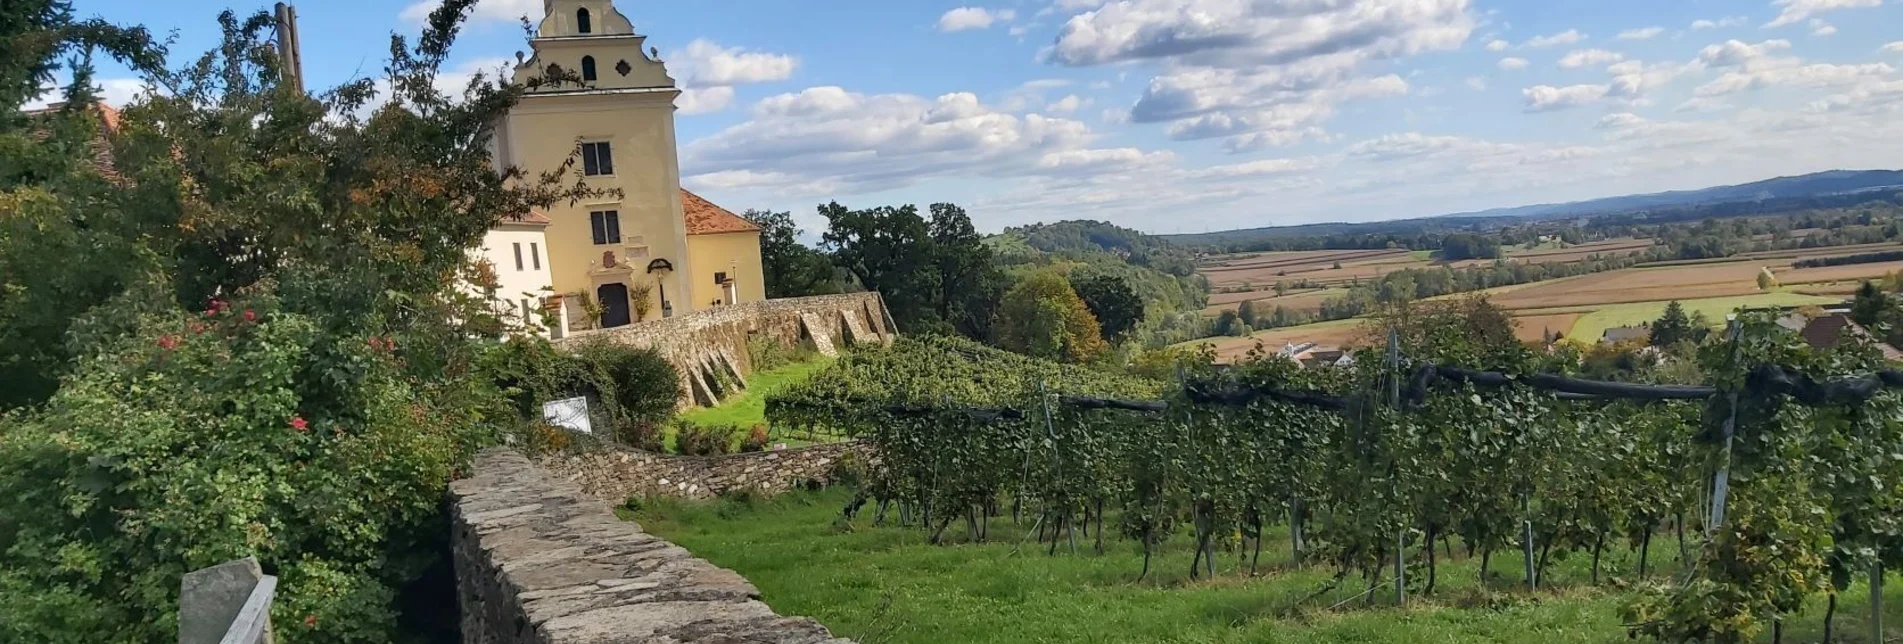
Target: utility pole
{"points": [[290, 51]]}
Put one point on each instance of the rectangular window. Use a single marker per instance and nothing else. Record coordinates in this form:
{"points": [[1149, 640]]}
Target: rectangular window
{"points": [[535, 254], [518, 256], [597, 159], [720, 278], [607, 226]]}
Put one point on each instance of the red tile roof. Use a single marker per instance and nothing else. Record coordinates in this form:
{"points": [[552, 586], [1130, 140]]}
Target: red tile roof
{"points": [[705, 218], [534, 218], [101, 144]]}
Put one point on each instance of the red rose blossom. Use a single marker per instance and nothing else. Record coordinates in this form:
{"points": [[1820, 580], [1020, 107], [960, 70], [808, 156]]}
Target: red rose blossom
{"points": [[298, 423], [250, 315], [169, 342]]}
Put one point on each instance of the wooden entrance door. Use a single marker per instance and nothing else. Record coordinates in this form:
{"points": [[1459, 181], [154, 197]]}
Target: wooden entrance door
{"points": [[614, 305]]}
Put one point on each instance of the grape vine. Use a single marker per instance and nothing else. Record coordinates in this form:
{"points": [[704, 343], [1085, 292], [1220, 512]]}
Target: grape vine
{"points": [[1813, 476]]}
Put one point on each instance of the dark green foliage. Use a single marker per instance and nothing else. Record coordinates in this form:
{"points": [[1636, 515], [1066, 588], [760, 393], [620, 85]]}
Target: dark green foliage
{"points": [[261, 347], [757, 440], [630, 391], [792, 269], [1229, 322], [1084, 237], [1672, 327], [1869, 304], [709, 440], [936, 276], [969, 282], [1860, 258], [888, 250], [1116, 306], [1252, 313], [1468, 246]]}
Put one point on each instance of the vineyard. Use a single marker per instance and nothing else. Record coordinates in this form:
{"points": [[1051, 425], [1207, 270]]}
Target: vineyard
{"points": [[1778, 479]]}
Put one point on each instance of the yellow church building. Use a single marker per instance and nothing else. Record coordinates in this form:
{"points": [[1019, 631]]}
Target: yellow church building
{"points": [[653, 250]]}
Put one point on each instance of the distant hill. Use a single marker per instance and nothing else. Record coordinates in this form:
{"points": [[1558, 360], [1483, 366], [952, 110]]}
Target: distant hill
{"points": [[1785, 191]]}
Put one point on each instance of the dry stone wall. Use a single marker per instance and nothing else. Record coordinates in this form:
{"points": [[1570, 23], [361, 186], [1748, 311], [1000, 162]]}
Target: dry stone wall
{"points": [[614, 474], [705, 343], [539, 562]]}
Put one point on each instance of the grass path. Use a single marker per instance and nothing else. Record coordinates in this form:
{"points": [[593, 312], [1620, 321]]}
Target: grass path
{"points": [[884, 585]]}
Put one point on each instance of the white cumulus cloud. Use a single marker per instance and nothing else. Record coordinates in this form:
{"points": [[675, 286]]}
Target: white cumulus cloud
{"points": [[503, 11], [1513, 63], [964, 18], [1547, 98], [868, 142], [706, 63], [1795, 11], [1643, 33], [1721, 23], [1585, 57], [1567, 37], [1258, 73]]}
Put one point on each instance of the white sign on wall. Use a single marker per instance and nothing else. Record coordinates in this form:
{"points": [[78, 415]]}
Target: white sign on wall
{"points": [[571, 413]]}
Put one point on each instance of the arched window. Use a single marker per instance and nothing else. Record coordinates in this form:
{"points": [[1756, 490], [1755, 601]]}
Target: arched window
{"points": [[588, 68], [582, 24]]}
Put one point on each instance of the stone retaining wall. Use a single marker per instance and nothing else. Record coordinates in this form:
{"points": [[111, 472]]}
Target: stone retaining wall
{"points": [[706, 345], [538, 562], [614, 474]]}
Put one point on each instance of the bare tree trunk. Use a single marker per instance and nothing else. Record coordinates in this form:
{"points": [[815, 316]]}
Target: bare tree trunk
{"points": [[1598, 544], [1486, 559], [1645, 550], [1680, 524], [1830, 613], [1257, 557], [1100, 526], [1146, 558], [1431, 572]]}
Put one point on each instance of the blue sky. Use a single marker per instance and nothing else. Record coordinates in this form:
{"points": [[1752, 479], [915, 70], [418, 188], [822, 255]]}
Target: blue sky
{"points": [[1193, 115]]}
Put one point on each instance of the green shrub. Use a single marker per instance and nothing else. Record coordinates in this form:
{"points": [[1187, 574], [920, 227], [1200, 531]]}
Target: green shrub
{"points": [[631, 391], [766, 354], [850, 470], [711, 440], [202, 438], [756, 440]]}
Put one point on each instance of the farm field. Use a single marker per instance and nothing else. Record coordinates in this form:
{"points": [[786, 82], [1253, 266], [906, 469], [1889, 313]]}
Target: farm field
{"points": [[1309, 301], [1591, 326], [1583, 307], [1643, 284], [1533, 328], [885, 584], [1263, 270], [1336, 333]]}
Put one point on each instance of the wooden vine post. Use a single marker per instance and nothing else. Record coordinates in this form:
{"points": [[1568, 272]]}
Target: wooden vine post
{"points": [[1400, 536], [1876, 602], [1721, 482]]}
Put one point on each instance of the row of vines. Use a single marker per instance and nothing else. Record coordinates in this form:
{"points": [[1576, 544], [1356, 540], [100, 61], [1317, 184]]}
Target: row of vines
{"points": [[1813, 494]]}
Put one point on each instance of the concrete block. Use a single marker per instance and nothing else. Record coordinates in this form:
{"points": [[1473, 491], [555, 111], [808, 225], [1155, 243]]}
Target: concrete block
{"points": [[210, 599]]}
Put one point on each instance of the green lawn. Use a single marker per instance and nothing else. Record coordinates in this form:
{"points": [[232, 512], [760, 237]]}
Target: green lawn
{"points": [[1592, 325], [749, 407], [880, 585]]}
